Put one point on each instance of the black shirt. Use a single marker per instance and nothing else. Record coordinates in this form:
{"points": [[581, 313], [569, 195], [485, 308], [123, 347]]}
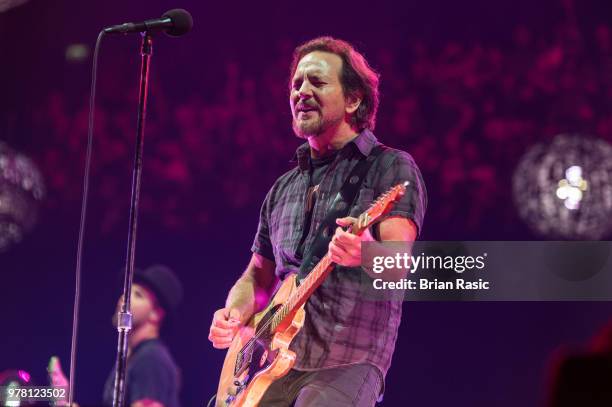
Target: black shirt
{"points": [[318, 168], [151, 374]]}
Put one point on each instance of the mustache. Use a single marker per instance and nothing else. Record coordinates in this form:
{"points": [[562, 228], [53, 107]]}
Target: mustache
{"points": [[306, 105]]}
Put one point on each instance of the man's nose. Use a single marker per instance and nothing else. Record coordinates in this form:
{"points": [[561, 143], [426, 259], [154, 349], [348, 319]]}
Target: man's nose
{"points": [[305, 90]]}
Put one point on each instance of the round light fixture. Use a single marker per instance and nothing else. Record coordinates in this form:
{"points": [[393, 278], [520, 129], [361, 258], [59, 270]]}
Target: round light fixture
{"points": [[21, 190], [563, 189]]}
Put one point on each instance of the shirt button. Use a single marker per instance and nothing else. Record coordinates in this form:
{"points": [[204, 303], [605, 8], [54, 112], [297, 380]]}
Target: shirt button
{"points": [[325, 306], [326, 232], [338, 327]]}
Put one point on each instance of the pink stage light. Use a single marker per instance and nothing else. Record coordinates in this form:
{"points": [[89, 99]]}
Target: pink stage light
{"points": [[23, 375]]}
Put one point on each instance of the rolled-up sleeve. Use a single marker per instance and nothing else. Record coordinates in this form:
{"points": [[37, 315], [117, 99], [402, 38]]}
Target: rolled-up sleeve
{"points": [[413, 204]]}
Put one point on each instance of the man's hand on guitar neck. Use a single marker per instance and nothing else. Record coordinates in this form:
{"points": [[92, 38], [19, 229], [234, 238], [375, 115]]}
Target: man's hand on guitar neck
{"points": [[345, 247]]}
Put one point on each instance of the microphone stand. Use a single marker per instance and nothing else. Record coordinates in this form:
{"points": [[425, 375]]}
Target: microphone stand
{"points": [[124, 320]]}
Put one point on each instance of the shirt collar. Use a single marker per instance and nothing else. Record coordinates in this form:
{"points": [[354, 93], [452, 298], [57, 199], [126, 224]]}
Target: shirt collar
{"points": [[365, 142]]}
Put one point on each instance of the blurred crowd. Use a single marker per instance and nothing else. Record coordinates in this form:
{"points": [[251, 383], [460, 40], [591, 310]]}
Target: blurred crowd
{"points": [[465, 111]]}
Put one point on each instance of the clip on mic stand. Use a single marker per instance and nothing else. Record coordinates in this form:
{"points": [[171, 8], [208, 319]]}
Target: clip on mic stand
{"points": [[124, 320]]}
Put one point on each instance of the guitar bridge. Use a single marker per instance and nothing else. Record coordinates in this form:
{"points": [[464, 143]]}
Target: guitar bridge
{"points": [[240, 385]]}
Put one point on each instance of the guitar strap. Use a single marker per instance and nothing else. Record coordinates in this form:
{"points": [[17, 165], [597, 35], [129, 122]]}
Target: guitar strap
{"points": [[339, 208]]}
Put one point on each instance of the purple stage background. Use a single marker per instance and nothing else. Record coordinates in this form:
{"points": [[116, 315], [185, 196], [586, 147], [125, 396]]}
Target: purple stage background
{"points": [[467, 87]]}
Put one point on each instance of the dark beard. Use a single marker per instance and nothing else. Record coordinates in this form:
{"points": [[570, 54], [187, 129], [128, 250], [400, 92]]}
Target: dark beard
{"points": [[314, 127]]}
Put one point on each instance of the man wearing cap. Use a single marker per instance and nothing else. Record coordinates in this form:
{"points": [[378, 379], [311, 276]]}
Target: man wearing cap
{"points": [[152, 378]]}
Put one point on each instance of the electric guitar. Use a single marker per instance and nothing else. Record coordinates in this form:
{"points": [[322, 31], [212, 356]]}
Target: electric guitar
{"points": [[259, 353]]}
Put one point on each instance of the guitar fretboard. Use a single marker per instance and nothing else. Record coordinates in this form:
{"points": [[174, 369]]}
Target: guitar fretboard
{"points": [[300, 295]]}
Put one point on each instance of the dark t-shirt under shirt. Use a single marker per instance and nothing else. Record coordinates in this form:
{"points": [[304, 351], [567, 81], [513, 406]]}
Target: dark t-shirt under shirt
{"points": [[318, 168], [151, 374]]}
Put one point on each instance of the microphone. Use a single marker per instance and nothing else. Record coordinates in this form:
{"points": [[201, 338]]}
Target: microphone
{"points": [[175, 23]]}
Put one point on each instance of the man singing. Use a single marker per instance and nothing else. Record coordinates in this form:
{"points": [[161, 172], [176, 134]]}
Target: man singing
{"points": [[345, 347]]}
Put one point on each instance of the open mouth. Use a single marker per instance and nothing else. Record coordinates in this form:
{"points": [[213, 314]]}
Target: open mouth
{"points": [[305, 111]]}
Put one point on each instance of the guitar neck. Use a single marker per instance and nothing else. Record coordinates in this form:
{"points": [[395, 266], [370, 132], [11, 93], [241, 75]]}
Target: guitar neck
{"points": [[316, 277], [301, 294]]}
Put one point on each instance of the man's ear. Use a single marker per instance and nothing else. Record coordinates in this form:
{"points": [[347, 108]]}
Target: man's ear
{"points": [[154, 315], [157, 315], [352, 102]]}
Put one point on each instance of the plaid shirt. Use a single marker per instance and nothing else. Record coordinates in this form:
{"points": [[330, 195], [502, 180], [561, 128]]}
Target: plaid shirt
{"points": [[340, 327]]}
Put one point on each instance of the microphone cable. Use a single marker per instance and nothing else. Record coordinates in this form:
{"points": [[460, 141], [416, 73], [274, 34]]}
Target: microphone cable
{"points": [[79, 257]]}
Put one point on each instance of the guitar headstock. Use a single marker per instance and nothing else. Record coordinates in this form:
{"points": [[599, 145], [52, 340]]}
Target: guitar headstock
{"points": [[382, 205]]}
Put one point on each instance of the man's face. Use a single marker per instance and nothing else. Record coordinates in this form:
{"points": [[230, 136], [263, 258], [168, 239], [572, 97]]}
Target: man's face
{"points": [[142, 306], [316, 98]]}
